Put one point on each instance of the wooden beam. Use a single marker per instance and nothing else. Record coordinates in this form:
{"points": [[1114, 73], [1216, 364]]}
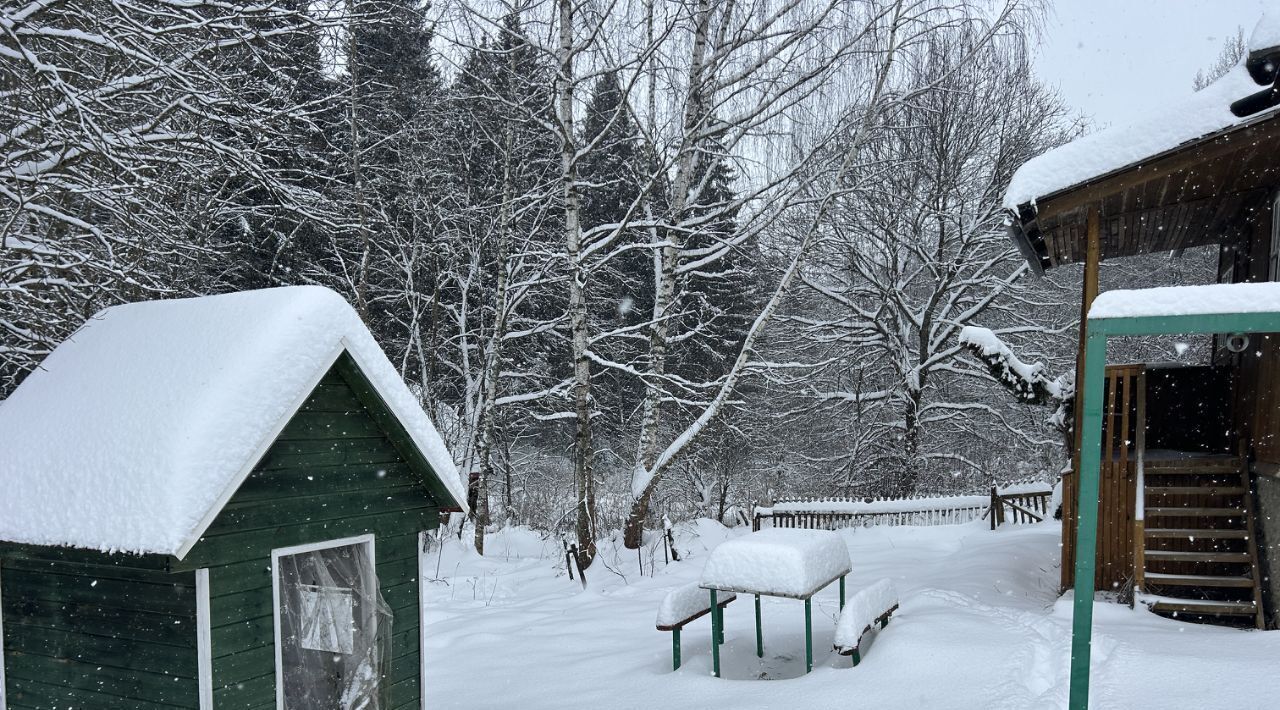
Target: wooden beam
{"points": [[1089, 291], [1162, 165]]}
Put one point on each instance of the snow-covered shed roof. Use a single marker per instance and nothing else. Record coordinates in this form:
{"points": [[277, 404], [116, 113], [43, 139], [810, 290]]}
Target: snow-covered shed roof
{"points": [[135, 431], [1211, 299], [1178, 177]]}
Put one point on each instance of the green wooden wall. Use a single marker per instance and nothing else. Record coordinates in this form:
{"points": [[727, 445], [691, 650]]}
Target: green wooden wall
{"points": [[332, 473], [115, 635], [102, 637]]}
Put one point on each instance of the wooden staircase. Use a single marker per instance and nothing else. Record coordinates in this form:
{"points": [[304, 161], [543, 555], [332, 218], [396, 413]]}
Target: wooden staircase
{"points": [[1197, 558]]}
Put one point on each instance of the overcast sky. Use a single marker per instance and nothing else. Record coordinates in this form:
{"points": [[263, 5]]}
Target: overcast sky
{"points": [[1116, 59]]}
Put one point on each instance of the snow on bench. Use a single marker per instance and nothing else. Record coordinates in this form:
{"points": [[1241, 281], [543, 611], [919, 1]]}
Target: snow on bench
{"points": [[681, 606], [870, 606], [686, 603], [779, 562]]}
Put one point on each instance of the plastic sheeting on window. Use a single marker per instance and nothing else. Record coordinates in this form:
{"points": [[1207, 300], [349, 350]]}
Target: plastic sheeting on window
{"points": [[335, 631]]}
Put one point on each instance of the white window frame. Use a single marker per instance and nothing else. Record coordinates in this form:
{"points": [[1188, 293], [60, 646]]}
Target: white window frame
{"points": [[204, 639], [422, 619], [276, 554]]}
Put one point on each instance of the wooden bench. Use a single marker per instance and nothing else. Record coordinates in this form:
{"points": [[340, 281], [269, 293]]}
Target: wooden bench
{"points": [[868, 608], [683, 605]]}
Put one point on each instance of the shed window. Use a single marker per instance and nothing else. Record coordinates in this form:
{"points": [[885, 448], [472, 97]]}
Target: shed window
{"points": [[334, 629]]}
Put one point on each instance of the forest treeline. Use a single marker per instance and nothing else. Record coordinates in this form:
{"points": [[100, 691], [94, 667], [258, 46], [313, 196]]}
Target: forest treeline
{"points": [[638, 257]]}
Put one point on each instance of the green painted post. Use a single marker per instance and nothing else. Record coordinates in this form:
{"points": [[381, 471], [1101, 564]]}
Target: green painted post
{"points": [[759, 633], [857, 657], [715, 636], [842, 592], [808, 636], [675, 649], [1091, 396]]}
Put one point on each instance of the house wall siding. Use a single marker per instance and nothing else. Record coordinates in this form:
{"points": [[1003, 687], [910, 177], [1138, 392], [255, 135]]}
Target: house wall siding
{"points": [[103, 637], [332, 473]]}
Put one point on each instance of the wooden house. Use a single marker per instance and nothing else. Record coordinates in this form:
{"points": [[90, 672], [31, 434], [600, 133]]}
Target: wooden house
{"points": [[1189, 516], [217, 503]]}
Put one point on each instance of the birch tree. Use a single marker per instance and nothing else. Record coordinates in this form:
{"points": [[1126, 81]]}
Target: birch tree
{"points": [[750, 72]]}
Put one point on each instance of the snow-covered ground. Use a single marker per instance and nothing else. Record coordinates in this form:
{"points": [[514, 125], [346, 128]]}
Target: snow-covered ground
{"points": [[980, 625]]}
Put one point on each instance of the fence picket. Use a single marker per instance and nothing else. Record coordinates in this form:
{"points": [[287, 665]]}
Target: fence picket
{"points": [[1020, 507]]}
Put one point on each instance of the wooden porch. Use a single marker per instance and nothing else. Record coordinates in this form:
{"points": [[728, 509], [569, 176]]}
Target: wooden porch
{"points": [[1175, 518]]}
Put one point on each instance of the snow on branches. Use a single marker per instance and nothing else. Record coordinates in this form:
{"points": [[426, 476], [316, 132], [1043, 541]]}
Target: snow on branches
{"points": [[1028, 383]]}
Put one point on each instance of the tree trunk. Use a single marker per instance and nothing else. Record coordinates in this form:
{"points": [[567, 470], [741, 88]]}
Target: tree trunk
{"points": [[648, 474], [667, 260], [584, 454], [493, 367]]}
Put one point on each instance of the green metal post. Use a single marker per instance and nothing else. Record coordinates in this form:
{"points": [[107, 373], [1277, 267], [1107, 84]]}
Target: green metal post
{"points": [[759, 633], [675, 650], [1090, 396], [808, 636], [715, 636], [842, 592], [720, 614], [857, 657]]}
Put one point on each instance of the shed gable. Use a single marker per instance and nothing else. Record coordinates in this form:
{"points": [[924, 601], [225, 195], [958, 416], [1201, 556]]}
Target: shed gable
{"points": [[335, 471], [341, 467]]}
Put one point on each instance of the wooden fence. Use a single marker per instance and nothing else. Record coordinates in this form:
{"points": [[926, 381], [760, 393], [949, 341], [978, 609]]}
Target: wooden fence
{"points": [[1014, 506]]}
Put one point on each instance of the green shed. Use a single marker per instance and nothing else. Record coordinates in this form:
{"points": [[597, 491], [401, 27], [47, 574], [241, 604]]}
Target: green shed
{"points": [[217, 502]]}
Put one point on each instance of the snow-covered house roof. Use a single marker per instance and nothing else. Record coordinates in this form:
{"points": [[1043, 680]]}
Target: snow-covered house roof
{"points": [[1128, 169], [136, 430]]}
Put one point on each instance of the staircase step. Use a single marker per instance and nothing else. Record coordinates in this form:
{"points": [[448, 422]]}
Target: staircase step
{"points": [[1184, 512], [1197, 580], [1191, 467], [1180, 533], [1211, 490], [1179, 556], [1201, 606]]}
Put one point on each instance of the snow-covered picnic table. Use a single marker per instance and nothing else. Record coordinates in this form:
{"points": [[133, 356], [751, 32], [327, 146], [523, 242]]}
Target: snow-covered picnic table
{"points": [[776, 562]]}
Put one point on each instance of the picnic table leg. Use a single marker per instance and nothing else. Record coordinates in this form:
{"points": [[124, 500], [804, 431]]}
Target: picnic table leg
{"points": [[842, 592], [675, 650], [715, 637], [808, 636], [759, 634]]}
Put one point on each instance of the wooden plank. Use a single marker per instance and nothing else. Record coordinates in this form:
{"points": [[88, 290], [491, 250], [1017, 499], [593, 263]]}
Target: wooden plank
{"points": [[41, 694], [159, 629], [18, 551], [1199, 580], [80, 674], [104, 651], [275, 484], [313, 453], [254, 544], [241, 518], [328, 426], [1089, 291], [1181, 556], [1205, 607], [128, 596]]}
